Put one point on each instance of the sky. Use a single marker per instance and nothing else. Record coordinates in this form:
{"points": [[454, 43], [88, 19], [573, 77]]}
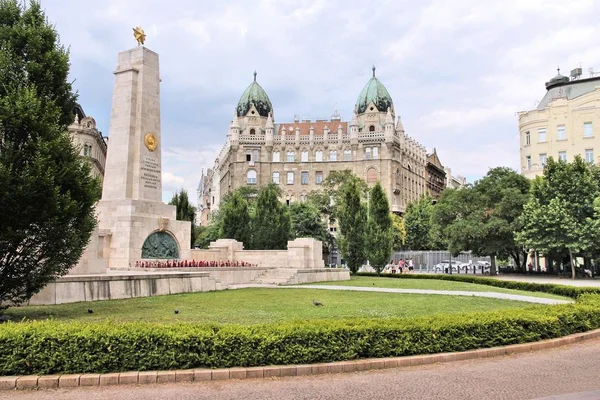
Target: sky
{"points": [[457, 71]]}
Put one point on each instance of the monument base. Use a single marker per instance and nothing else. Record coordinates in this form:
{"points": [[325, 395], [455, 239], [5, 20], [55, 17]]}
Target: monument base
{"points": [[129, 223]]}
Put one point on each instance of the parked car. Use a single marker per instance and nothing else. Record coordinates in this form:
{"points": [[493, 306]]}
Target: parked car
{"points": [[441, 267]]}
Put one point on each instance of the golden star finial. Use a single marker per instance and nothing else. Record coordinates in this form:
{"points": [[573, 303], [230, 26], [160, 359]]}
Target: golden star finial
{"points": [[139, 35]]}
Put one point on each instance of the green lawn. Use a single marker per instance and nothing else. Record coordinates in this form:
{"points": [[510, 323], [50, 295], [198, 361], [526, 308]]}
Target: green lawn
{"points": [[252, 306], [400, 283]]}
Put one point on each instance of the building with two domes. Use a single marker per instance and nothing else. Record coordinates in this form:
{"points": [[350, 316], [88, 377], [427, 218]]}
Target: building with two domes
{"points": [[298, 155]]}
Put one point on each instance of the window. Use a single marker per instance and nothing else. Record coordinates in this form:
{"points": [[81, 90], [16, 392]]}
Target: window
{"points": [[347, 155], [562, 155], [253, 131], [304, 156], [276, 177], [248, 156], [333, 155], [319, 155], [275, 156], [368, 153], [587, 129], [375, 153], [290, 178], [319, 177], [527, 138], [528, 161], [561, 133], [251, 177], [372, 128], [371, 175], [290, 156], [543, 159], [589, 155], [541, 135], [304, 177], [255, 155]]}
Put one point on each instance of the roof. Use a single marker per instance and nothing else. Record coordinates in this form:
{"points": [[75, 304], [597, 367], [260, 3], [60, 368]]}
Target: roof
{"points": [[374, 92], [254, 95], [569, 89], [433, 159], [319, 127]]}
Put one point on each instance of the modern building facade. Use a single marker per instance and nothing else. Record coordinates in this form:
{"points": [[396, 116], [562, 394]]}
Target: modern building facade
{"points": [[89, 140], [436, 176], [566, 123], [299, 155]]}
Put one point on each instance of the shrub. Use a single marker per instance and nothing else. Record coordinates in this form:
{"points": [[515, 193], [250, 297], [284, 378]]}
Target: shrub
{"points": [[47, 347]]}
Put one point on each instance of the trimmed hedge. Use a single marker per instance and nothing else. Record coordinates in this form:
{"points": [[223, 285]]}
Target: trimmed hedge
{"points": [[561, 290], [51, 347]]}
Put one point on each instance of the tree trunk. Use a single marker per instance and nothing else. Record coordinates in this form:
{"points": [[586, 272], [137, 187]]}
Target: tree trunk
{"points": [[572, 264], [493, 270]]}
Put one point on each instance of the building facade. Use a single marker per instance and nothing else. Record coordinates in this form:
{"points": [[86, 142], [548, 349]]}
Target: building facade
{"points": [[299, 155], [454, 182], [89, 141], [566, 123], [436, 176]]}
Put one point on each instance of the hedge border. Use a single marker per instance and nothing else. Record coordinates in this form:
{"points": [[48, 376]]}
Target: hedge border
{"points": [[552, 288], [52, 347], [203, 375]]}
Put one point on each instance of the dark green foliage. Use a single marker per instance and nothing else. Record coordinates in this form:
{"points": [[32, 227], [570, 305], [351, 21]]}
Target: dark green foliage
{"points": [[236, 219], [378, 245], [185, 211], [271, 224], [352, 220], [417, 222], [307, 222], [47, 195], [51, 347]]}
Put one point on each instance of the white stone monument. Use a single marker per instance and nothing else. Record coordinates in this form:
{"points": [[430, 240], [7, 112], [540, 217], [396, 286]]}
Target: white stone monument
{"points": [[134, 221]]}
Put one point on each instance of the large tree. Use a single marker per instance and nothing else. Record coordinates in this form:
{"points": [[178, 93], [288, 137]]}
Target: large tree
{"points": [[271, 224], [417, 221], [352, 221], [236, 219], [185, 211], [398, 232], [47, 195], [307, 222], [379, 239], [560, 219]]}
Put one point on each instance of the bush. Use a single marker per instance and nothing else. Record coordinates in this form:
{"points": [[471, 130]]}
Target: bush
{"points": [[560, 290], [51, 347]]}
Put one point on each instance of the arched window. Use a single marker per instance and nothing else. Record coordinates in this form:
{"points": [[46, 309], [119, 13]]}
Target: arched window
{"points": [[275, 156], [276, 177], [347, 155], [371, 175], [251, 177], [372, 128], [333, 155], [290, 156], [253, 131], [304, 156], [319, 155]]}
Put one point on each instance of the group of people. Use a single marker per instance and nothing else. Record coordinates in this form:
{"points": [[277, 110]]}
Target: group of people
{"points": [[192, 264], [401, 267]]}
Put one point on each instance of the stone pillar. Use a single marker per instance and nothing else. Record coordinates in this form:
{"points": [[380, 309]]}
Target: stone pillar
{"points": [[305, 253]]}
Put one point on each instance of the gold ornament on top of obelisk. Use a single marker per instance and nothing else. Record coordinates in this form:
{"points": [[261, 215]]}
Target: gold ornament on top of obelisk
{"points": [[139, 35]]}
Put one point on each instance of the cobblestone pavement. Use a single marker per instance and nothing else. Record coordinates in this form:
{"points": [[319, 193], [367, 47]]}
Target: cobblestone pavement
{"points": [[554, 372], [493, 295]]}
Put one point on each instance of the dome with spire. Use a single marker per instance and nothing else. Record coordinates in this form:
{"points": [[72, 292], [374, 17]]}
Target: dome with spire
{"points": [[557, 80], [374, 92], [255, 96]]}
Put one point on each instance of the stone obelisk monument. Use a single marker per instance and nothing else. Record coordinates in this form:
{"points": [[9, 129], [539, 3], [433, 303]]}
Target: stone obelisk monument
{"points": [[137, 223]]}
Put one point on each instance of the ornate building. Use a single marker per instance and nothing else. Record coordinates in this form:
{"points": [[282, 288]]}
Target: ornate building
{"points": [[563, 125], [436, 176], [299, 155], [89, 140]]}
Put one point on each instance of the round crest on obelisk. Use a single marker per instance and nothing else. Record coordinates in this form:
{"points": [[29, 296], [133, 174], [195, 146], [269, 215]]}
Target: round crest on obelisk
{"points": [[151, 141]]}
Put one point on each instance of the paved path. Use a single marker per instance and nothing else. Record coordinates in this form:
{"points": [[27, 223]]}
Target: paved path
{"points": [[549, 279], [554, 372], [492, 295]]}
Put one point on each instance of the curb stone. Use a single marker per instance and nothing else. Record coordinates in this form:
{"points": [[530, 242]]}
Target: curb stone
{"points": [[199, 375]]}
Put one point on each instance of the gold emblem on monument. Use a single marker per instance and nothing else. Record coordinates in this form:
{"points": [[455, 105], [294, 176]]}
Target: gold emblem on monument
{"points": [[151, 141], [139, 35]]}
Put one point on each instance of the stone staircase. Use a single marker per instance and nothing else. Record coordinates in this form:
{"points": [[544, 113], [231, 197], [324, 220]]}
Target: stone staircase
{"points": [[277, 276]]}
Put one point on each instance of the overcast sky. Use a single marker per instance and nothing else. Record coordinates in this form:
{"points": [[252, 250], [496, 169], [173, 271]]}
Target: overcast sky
{"points": [[457, 70]]}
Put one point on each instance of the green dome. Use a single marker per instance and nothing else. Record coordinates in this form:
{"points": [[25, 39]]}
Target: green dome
{"points": [[254, 95], [374, 92]]}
